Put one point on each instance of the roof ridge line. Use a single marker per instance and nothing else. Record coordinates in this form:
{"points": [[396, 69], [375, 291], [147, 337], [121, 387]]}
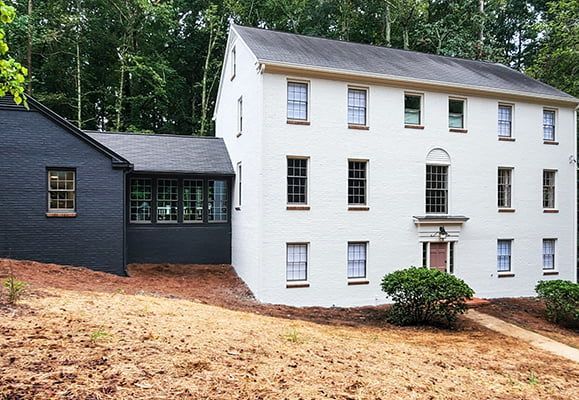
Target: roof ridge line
{"points": [[89, 131]]}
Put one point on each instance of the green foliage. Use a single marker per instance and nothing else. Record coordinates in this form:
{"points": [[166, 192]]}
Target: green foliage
{"points": [[425, 296], [99, 334], [293, 336], [15, 289], [562, 300], [12, 74]]}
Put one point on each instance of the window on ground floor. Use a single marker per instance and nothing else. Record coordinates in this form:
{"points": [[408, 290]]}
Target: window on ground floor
{"points": [[297, 262], [141, 197], [217, 200], [549, 254], [193, 200], [167, 200], [504, 247], [357, 260], [61, 190]]}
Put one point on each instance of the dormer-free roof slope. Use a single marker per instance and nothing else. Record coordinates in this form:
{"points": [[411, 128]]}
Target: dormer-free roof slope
{"points": [[272, 47]]}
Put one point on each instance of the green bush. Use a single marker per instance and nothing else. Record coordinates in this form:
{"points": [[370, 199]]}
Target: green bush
{"points": [[15, 288], [562, 300], [425, 296]]}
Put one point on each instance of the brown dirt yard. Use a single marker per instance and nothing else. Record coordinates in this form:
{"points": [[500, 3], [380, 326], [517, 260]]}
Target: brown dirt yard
{"points": [[194, 332]]}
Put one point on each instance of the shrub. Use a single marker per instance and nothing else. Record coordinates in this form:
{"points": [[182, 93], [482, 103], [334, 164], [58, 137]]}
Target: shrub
{"points": [[562, 301], [425, 296], [15, 288]]}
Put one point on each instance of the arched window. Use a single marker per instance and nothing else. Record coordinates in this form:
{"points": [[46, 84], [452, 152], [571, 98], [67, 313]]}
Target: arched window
{"points": [[437, 163]]}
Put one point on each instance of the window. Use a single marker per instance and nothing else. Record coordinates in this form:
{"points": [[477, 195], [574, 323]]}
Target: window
{"points": [[240, 115], [357, 182], [167, 200], [239, 184], [297, 175], [233, 62], [217, 201], [548, 189], [505, 120], [357, 106], [436, 189], [424, 254], [549, 254], [297, 262], [504, 187], [297, 101], [549, 125], [412, 109], [504, 255], [456, 113], [451, 258], [356, 260], [141, 198], [61, 191], [193, 200]]}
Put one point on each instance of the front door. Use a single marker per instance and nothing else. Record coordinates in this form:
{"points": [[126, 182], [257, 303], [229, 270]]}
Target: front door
{"points": [[438, 256]]}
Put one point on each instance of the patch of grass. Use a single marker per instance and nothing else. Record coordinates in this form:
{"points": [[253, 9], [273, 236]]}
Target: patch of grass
{"points": [[533, 379], [293, 336], [99, 334], [15, 288]]}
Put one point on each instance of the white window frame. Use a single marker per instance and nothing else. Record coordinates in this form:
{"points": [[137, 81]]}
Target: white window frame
{"points": [[447, 166], [367, 113], [239, 181], [554, 254], [307, 177], [421, 111], [366, 186], [175, 183], [554, 172], [511, 185], [357, 277], [65, 210], [233, 62], [239, 115], [226, 200], [287, 262], [464, 112], [512, 121], [301, 82], [186, 201], [555, 124], [510, 255]]}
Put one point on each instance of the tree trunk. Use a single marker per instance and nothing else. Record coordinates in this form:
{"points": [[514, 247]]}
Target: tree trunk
{"points": [[78, 86], [204, 94], [388, 27], [481, 8], [29, 49], [405, 35], [119, 105]]}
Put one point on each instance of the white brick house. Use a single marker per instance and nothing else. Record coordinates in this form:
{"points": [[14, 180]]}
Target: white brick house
{"points": [[354, 160]]}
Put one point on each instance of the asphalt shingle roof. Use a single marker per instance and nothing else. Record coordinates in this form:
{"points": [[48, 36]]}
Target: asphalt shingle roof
{"points": [[169, 153], [281, 47]]}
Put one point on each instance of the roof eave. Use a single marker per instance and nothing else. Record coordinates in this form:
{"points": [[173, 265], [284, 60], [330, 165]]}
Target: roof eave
{"points": [[275, 66]]}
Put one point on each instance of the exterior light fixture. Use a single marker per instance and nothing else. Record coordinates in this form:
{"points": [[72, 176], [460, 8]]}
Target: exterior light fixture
{"points": [[442, 234]]}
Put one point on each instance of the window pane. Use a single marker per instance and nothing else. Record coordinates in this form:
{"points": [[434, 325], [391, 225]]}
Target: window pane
{"points": [[356, 260], [297, 100], [167, 200], [61, 191], [357, 106], [456, 113], [436, 189], [548, 189], [217, 200], [297, 262], [412, 110], [505, 120], [548, 125], [549, 254], [297, 180], [193, 200], [357, 182], [504, 187], [503, 255]]}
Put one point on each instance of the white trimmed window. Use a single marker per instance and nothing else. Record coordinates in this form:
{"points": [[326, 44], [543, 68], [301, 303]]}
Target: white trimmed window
{"points": [[549, 254], [297, 262], [436, 189], [549, 188], [61, 191], [167, 200], [141, 198], [549, 125], [239, 175], [357, 106], [505, 120], [357, 182], [297, 101], [412, 109], [240, 115], [504, 247], [456, 108], [357, 260], [504, 180], [297, 180], [233, 62], [193, 200], [217, 200]]}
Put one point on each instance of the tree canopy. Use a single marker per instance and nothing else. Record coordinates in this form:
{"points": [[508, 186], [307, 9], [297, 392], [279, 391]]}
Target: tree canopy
{"points": [[153, 65], [12, 74]]}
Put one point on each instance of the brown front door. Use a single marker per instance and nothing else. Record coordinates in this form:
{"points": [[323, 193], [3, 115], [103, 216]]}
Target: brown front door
{"points": [[438, 255]]}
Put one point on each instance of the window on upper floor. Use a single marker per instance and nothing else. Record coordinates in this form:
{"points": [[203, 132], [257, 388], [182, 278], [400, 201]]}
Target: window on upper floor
{"points": [[217, 200], [549, 189], [504, 180], [297, 262], [436, 189], [412, 109], [549, 125], [549, 254], [357, 106], [61, 191], [456, 112], [505, 120], [297, 101], [167, 200], [357, 182], [192, 200], [233, 62], [141, 199], [357, 260], [297, 180], [504, 248], [240, 115]]}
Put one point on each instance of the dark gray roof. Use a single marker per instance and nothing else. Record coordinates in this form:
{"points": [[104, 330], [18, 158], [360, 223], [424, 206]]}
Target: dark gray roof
{"points": [[281, 47], [169, 153]]}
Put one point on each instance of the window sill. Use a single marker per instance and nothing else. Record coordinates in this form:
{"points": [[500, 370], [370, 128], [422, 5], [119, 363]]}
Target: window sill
{"points": [[298, 208], [550, 211], [506, 139], [458, 130], [550, 272], [61, 214], [167, 222], [353, 282], [358, 208], [359, 127], [506, 210], [550, 142], [297, 122], [293, 285], [505, 275], [408, 126], [238, 134]]}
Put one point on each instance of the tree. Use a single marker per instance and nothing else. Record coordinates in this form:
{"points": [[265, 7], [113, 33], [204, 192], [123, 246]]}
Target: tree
{"points": [[12, 74]]}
